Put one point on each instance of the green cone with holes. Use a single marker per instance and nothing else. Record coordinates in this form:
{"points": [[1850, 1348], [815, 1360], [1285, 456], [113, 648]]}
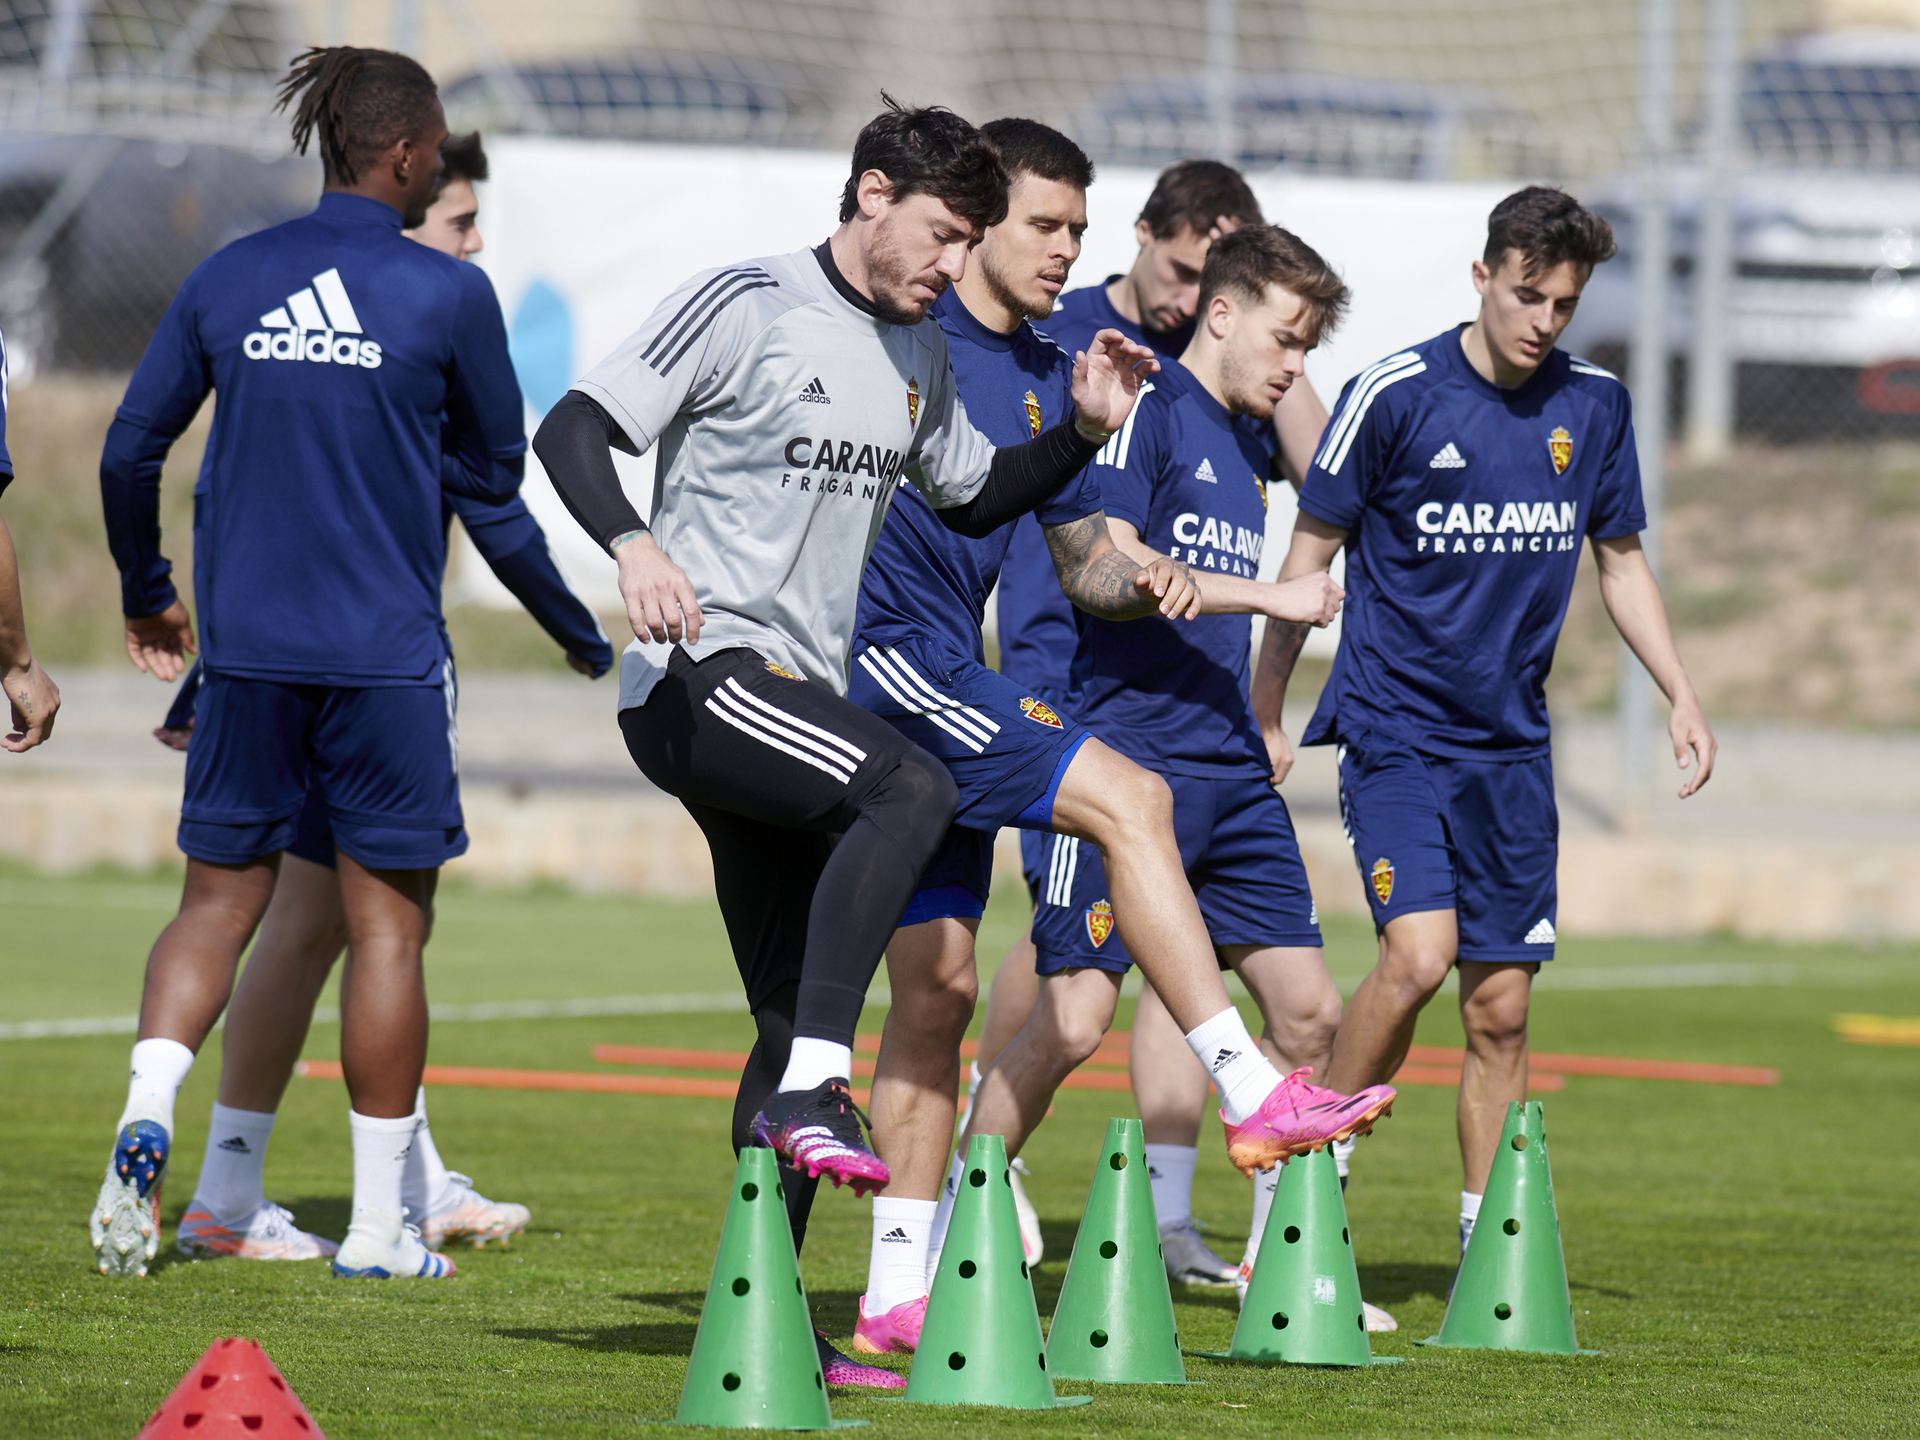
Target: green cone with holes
{"points": [[1114, 1320], [981, 1343], [1511, 1292], [754, 1363], [1303, 1302]]}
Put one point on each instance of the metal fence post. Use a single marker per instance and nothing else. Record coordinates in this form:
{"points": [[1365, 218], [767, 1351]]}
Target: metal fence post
{"points": [[1711, 374], [1648, 358]]}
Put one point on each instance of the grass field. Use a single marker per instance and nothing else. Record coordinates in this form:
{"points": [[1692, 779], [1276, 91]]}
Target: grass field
{"points": [[1744, 1259]]}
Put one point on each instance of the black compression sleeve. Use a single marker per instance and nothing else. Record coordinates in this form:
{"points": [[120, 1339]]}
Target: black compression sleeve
{"points": [[573, 444], [1020, 477]]}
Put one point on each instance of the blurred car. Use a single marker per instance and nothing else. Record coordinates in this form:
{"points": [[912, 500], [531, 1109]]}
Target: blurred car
{"points": [[1329, 124], [1825, 305]]}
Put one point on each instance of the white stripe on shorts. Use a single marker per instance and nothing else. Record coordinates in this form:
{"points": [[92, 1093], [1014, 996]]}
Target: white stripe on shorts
{"points": [[781, 736], [775, 713], [912, 693], [1061, 867]]}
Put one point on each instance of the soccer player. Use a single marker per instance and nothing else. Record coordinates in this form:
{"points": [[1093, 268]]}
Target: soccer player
{"points": [[32, 696], [1462, 476], [1183, 478], [788, 395], [1192, 204], [339, 350], [1017, 759], [304, 929]]}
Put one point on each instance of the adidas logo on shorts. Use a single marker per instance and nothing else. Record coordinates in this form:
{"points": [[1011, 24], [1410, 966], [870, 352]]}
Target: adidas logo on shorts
{"points": [[895, 1236], [816, 392], [1541, 934], [237, 1144], [1449, 458], [318, 323]]}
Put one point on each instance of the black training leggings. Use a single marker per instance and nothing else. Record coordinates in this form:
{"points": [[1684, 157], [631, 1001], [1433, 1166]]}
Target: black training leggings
{"points": [[765, 1066], [773, 769]]}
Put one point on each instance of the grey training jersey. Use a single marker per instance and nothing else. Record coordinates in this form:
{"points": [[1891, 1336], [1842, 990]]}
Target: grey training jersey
{"points": [[784, 416]]}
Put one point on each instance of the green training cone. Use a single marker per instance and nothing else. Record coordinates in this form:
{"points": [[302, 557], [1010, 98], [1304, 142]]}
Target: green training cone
{"points": [[981, 1343], [754, 1363], [1303, 1302], [1511, 1291], [1114, 1321]]}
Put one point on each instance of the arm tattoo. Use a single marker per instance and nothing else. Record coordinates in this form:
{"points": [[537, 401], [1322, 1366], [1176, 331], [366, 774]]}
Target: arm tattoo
{"points": [[1094, 573]]}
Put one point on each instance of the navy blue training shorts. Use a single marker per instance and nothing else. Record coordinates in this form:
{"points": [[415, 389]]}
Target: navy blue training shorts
{"points": [[1238, 848], [1006, 750], [383, 759], [1478, 837]]}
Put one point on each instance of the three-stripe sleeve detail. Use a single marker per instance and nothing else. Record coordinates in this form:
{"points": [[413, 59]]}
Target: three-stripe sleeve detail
{"points": [[1063, 861], [1114, 452], [787, 733], [912, 693], [1346, 425], [679, 333]]}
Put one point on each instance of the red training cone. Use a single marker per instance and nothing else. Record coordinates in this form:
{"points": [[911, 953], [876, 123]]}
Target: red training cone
{"points": [[232, 1390]]}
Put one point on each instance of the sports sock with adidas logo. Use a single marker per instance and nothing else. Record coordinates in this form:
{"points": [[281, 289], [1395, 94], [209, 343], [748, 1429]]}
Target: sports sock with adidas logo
{"points": [[1240, 1072], [231, 1187], [1170, 1176], [897, 1269]]}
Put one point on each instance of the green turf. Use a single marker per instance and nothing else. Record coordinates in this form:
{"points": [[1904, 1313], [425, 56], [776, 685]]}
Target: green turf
{"points": [[1744, 1259]]}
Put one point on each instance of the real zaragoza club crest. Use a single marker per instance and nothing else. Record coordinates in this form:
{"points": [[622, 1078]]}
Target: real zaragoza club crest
{"points": [[1039, 712], [1099, 922], [1033, 412], [913, 401], [1381, 878], [1560, 447]]}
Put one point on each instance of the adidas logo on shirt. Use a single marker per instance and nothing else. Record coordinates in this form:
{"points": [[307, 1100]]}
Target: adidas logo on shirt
{"points": [[1205, 472], [1541, 934], [1449, 458], [1224, 1058], [895, 1236], [816, 392], [237, 1144], [318, 324]]}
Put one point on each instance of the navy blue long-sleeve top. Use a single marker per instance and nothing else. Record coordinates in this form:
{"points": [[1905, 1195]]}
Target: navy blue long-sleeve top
{"points": [[339, 349]]}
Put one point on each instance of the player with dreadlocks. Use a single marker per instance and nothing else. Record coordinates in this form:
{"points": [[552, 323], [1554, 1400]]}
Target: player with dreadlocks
{"points": [[340, 352]]}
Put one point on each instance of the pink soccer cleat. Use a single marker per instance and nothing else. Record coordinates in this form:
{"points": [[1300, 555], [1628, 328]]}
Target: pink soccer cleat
{"points": [[819, 1131], [897, 1329], [837, 1369], [267, 1234], [1298, 1117]]}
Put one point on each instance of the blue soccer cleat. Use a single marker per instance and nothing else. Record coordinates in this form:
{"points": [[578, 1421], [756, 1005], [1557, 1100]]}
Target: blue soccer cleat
{"points": [[125, 1225], [362, 1257]]}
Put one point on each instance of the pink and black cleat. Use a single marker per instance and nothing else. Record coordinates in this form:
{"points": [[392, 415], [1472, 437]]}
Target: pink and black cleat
{"points": [[895, 1330], [837, 1369], [819, 1131], [1297, 1117]]}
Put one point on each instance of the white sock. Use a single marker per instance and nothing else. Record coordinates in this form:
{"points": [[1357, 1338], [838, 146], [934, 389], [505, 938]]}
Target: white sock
{"points": [[812, 1062], [1243, 1076], [897, 1269], [1170, 1174], [1469, 1212], [1343, 1155], [943, 1217], [1266, 1184], [230, 1177], [380, 1149], [159, 1070], [425, 1182]]}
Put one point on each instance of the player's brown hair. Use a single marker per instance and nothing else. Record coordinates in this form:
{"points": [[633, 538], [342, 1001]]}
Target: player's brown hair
{"points": [[1194, 194], [1548, 227], [360, 102], [1245, 262], [463, 157], [930, 151], [1029, 148]]}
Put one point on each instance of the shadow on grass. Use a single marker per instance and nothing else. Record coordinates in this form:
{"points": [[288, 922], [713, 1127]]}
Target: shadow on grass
{"points": [[1390, 1285], [1602, 1290], [671, 1338]]}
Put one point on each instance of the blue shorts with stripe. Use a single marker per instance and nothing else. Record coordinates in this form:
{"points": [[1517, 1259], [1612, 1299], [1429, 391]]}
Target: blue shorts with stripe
{"points": [[271, 761], [1005, 748], [1478, 837], [1238, 848]]}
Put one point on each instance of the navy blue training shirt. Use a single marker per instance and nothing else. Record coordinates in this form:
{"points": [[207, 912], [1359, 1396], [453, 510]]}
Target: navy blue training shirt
{"points": [[1465, 506], [1172, 694], [336, 346], [922, 578]]}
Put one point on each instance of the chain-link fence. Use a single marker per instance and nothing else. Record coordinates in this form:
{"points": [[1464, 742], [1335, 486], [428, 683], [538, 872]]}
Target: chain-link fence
{"points": [[136, 136]]}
